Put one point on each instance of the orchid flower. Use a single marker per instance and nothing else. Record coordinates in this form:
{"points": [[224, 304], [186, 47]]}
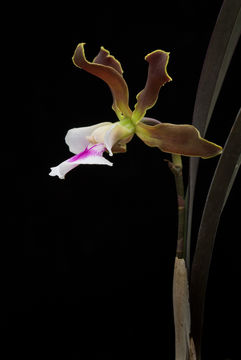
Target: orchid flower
{"points": [[89, 143]]}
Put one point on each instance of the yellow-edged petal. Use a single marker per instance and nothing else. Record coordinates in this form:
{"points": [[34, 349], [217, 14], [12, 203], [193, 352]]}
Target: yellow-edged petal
{"points": [[157, 77], [107, 68], [177, 139]]}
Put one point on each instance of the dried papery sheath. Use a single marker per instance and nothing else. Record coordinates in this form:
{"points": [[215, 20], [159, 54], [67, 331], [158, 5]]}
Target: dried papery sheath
{"points": [[181, 310]]}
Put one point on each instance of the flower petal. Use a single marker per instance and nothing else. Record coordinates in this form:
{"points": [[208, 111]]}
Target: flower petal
{"points": [[150, 121], [157, 77], [105, 58], [77, 138], [116, 137], [107, 68], [177, 139], [92, 155]]}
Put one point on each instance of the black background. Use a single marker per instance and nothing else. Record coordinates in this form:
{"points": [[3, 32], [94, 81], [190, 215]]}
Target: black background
{"points": [[87, 263]]}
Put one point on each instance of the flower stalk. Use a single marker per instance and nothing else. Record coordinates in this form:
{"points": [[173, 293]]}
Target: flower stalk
{"points": [[176, 168], [184, 345]]}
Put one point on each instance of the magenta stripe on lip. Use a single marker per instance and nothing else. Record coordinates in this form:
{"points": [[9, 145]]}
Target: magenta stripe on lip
{"points": [[95, 150]]}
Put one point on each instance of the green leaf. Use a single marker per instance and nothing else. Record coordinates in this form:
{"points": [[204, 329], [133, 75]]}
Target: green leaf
{"points": [[221, 185], [220, 50]]}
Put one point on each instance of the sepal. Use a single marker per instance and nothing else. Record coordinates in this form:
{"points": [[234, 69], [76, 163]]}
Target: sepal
{"points": [[176, 139], [107, 68], [156, 78]]}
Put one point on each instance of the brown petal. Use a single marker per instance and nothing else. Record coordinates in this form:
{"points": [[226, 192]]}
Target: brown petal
{"points": [[157, 77], [177, 139], [108, 69], [105, 58]]}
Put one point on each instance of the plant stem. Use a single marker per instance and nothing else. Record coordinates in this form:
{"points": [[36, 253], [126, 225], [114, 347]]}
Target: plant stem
{"points": [[176, 168], [184, 346]]}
